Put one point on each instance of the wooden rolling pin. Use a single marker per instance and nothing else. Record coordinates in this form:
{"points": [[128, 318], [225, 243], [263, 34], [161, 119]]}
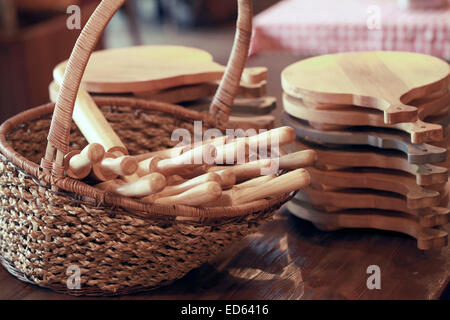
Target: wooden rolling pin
{"points": [[250, 170], [113, 166], [78, 164], [193, 158], [226, 145], [255, 182], [282, 136], [197, 196], [150, 184], [92, 123], [182, 187], [165, 153], [174, 179], [288, 182], [148, 165], [236, 151]]}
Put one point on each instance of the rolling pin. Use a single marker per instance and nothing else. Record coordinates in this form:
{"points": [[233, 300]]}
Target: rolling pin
{"points": [[79, 164], [256, 181], [190, 173], [165, 153], [113, 166], [288, 182], [227, 178], [92, 123], [148, 165], [236, 151], [174, 179], [228, 145], [250, 170], [283, 135], [150, 184], [204, 193], [193, 158], [182, 187], [176, 151]]}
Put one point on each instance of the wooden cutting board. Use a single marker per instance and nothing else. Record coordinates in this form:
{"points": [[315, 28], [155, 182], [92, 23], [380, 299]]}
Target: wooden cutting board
{"points": [[384, 180], [359, 200], [384, 80], [201, 91], [419, 130], [435, 96], [152, 68], [381, 138], [353, 156], [427, 238], [365, 199], [250, 107]]}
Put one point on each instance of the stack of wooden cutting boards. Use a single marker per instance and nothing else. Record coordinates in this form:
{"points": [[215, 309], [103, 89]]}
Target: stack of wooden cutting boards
{"points": [[379, 123], [173, 74]]}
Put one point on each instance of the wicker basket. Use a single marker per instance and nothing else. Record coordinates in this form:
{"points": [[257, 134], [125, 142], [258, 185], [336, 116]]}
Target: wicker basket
{"points": [[49, 222]]}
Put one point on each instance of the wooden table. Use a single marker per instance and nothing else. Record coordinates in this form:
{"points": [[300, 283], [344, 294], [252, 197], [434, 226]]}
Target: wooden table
{"points": [[290, 259]]}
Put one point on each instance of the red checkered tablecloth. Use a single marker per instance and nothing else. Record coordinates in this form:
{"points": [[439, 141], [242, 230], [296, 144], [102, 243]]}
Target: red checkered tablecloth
{"points": [[325, 26]]}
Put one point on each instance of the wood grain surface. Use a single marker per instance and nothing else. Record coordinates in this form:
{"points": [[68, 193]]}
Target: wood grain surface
{"points": [[364, 199], [289, 258], [427, 238], [381, 138], [403, 184], [396, 78], [361, 157], [420, 130], [152, 68]]}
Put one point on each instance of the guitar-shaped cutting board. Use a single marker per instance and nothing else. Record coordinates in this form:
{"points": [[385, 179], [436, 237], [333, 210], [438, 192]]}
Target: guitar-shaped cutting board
{"points": [[427, 238], [381, 138], [152, 68], [403, 184], [387, 81], [419, 130], [365, 199], [332, 202], [360, 157]]}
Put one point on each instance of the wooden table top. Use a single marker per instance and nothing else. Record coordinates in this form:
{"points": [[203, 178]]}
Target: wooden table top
{"points": [[290, 259]]}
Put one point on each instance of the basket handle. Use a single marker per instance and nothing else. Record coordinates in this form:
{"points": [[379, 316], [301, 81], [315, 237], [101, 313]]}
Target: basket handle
{"points": [[58, 138]]}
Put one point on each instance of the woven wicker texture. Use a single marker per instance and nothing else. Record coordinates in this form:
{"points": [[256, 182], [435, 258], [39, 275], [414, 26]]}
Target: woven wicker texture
{"points": [[49, 222], [43, 233]]}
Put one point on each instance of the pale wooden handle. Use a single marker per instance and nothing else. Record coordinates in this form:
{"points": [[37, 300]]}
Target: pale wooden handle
{"points": [[147, 166], [174, 179], [196, 196], [123, 166], [232, 152], [166, 153], [90, 120], [227, 178], [255, 169], [80, 164], [182, 187], [255, 182], [291, 181], [143, 187], [110, 185], [192, 158], [282, 135], [150, 184], [296, 160]]}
